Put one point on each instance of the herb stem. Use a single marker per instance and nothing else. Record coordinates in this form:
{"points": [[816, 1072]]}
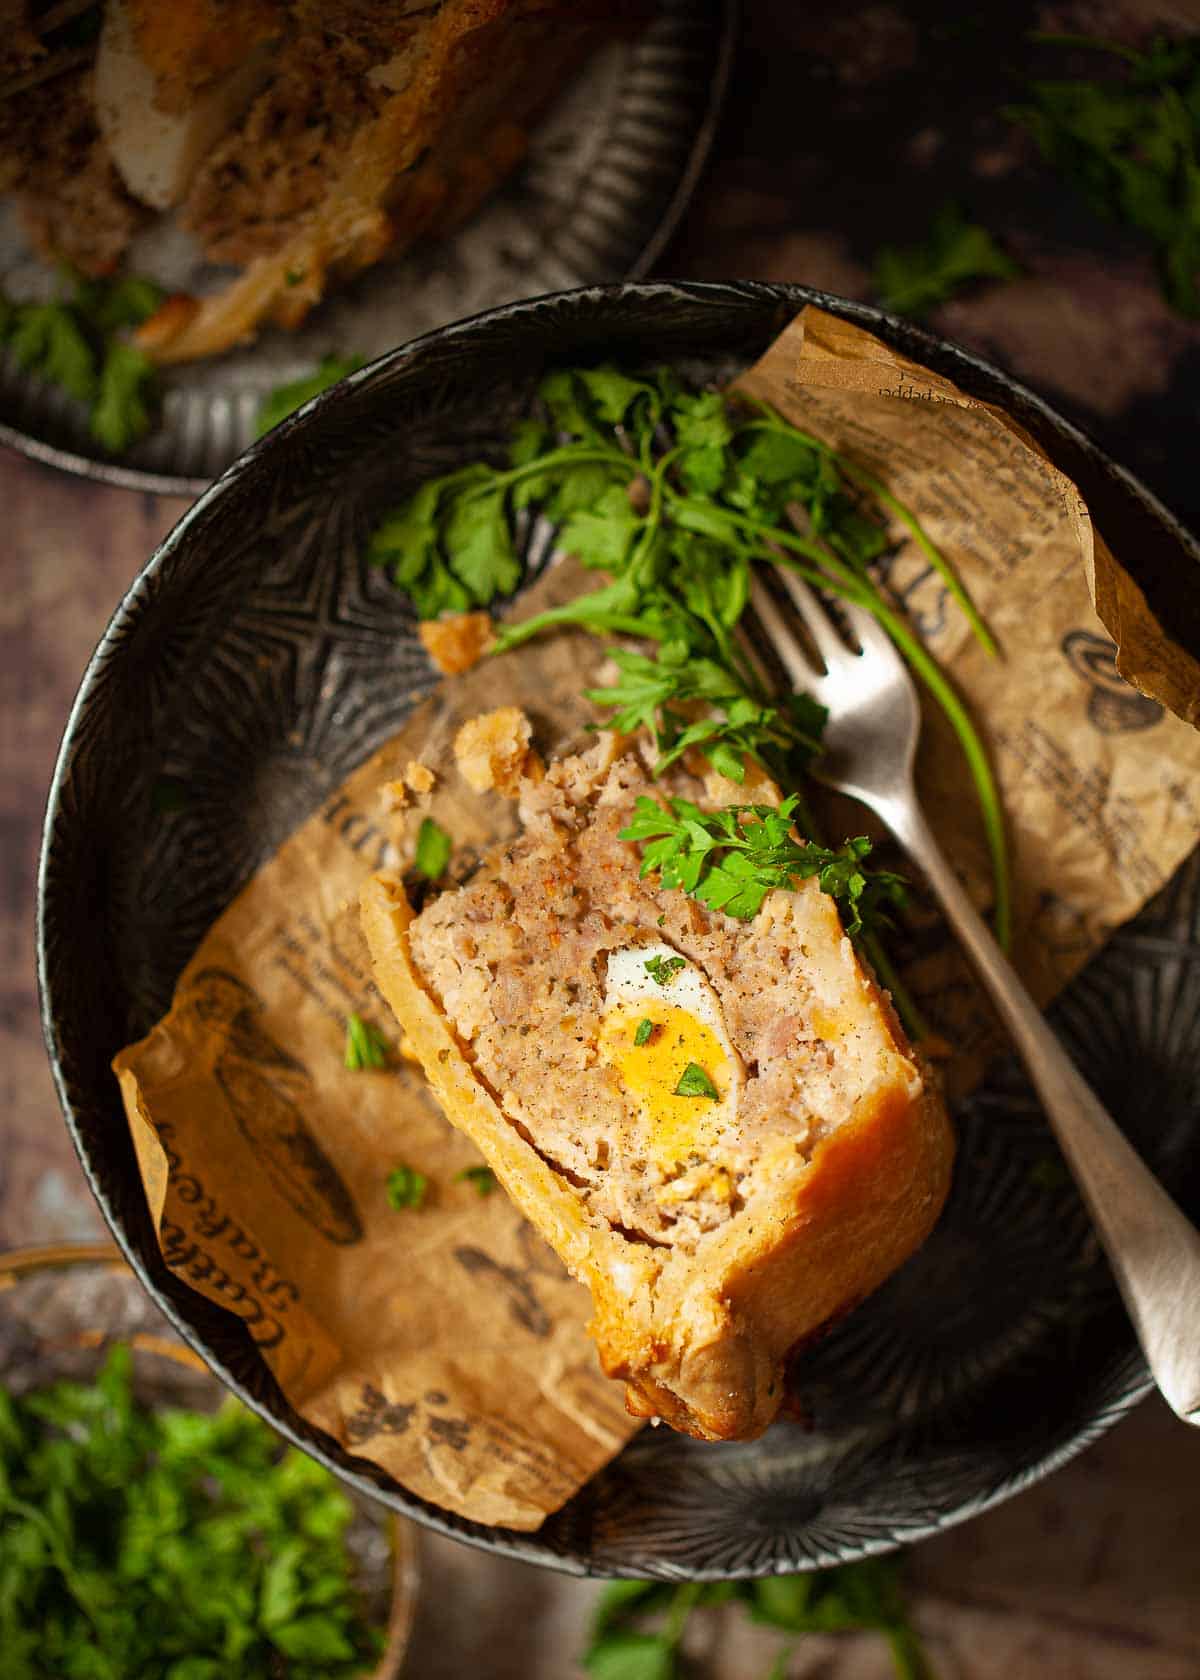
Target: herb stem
{"points": [[870, 481], [856, 589], [789, 539], [557, 459], [975, 753], [57, 1551], [684, 1602], [908, 1654], [928, 547], [572, 612]]}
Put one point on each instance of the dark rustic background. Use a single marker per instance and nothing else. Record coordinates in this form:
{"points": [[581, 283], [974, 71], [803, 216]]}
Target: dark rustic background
{"points": [[847, 126]]}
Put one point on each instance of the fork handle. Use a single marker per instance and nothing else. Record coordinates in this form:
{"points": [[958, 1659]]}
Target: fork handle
{"points": [[1153, 1249]]}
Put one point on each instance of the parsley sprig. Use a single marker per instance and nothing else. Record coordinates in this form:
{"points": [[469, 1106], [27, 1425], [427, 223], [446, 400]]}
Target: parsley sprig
{"points": [[406, 1188], [732, 858], [366, 1047], [286, 399], [78, 343], [1131, 144], [434, 847], [956, 253], [167, 1544], [638, 1626], [676, 495]]}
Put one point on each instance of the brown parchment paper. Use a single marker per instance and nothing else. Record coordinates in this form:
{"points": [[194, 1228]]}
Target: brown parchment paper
{"points": [[1098, 780], [446, 1344]]}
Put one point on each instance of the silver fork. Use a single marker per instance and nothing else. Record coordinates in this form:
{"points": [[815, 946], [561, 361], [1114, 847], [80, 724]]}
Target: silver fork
{"points": [[870, 742]]}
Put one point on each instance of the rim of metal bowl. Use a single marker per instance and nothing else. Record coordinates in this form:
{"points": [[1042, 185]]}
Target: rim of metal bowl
{"points": [[1131, 1381]]}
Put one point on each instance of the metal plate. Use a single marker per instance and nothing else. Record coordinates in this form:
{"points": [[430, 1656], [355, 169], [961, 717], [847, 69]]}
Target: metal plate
{"points": [[258, 658], [609, 172]]}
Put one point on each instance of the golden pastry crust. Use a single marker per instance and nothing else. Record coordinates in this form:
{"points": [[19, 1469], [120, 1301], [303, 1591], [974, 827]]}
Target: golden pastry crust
{"points": [[457, 642], [700, 1333]]}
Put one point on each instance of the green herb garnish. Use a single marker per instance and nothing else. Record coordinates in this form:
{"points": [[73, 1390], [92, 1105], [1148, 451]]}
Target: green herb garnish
{"points": [[366, 1047], [1131, 145], [644, 1033], [286, 399], [694, 1082], [121, 412], [675, 495], [638, 1626], [75, 342], [662, 970], [434, 846], [406, 1188], [483, 1179], [167, 1544], [914, 278], [732, 858]]}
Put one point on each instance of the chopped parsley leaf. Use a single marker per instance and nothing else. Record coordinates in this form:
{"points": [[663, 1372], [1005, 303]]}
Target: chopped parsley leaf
{"points": [[483, 1179], [644, 1033], [434, 846], [366, 1046], [663, 969], [406, 1188], [694, 1082]]}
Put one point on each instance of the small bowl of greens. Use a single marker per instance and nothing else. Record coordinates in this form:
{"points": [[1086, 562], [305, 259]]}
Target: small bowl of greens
{"points": [[151, 1528], [274, 641]]}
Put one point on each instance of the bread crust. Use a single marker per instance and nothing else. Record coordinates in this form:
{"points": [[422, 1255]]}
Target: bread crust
{"points": [[701, 1340]]}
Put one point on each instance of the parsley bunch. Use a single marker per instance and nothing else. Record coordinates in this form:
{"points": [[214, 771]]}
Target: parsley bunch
{"points": [[853, 1598], [732, 858], [1131, 145], [167, 1544], [675, 494], [78, 343]]}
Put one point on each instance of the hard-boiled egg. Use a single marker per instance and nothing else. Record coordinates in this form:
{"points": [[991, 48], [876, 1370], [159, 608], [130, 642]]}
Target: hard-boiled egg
{"points": [[664, 1032]]}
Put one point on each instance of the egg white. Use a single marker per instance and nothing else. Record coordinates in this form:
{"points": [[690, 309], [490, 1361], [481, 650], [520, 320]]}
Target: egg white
{"points": [[688, 1025]]}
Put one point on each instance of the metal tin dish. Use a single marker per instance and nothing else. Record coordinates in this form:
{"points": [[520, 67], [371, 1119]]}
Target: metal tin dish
{"points": [[608, 175], [996, 1354]]}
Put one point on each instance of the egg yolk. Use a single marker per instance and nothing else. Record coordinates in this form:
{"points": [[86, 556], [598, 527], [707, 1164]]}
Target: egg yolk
{"points": [[651, 1071]]}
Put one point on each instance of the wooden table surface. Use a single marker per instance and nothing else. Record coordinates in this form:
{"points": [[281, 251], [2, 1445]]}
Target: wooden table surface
{"points": [[846, 126]]}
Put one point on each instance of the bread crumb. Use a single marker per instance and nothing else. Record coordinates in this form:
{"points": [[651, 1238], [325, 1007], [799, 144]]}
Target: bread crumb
{"points": [[492, 751], [419, 777], [393, 796], [457, 642]]}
